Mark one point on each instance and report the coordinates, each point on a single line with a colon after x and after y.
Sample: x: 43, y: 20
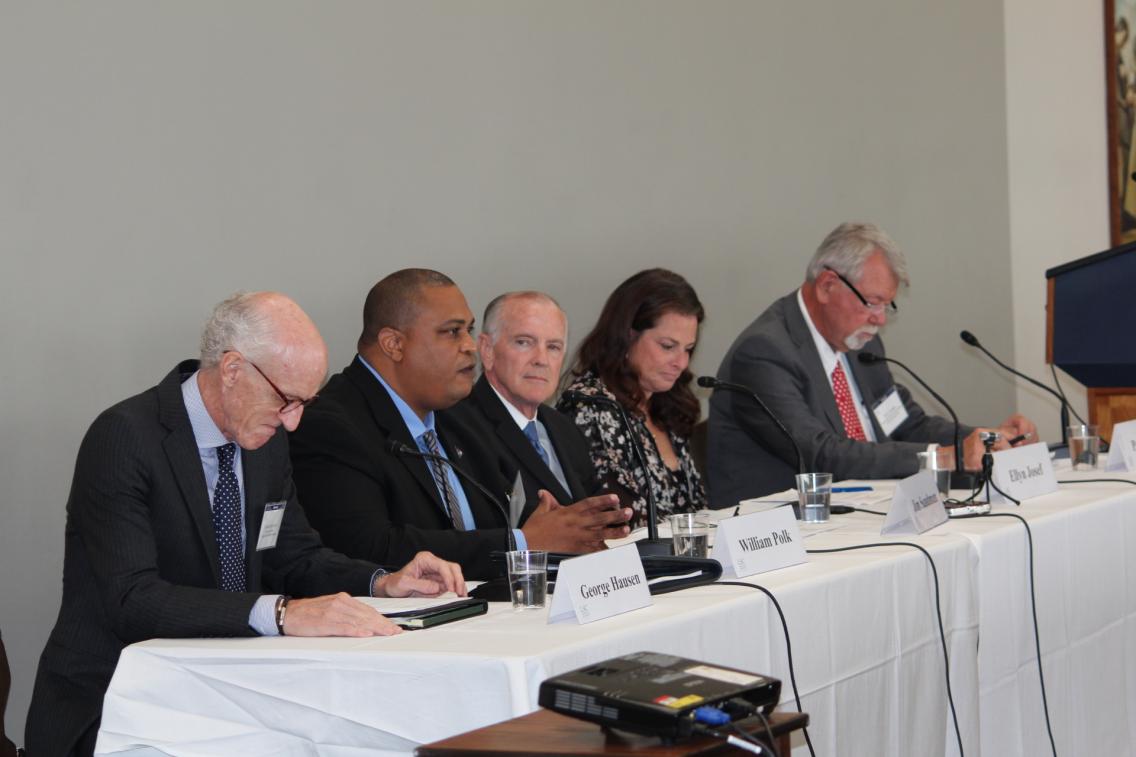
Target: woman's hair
x: 635, y: 306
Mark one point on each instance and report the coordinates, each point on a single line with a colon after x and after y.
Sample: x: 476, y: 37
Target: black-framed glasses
x: 290, y: 403
x: 878, y: 308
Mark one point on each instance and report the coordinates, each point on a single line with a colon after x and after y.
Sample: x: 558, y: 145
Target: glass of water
x: 691, y: 537
x: 814, y: 491
x: 1084, y: 446
x: 937, y: 462
x: 528, y: 578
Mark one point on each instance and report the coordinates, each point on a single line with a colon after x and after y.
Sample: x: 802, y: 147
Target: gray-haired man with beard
x: 800, y: 357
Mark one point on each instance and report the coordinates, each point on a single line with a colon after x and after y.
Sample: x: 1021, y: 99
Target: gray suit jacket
x: 140, y: 557
x: 748, y: 456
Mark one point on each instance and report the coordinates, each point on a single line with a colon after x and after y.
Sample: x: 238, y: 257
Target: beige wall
x: 156, y: 156
x: 1058, y: 173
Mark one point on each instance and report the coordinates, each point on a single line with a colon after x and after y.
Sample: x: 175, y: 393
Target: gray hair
x: 238, y: 324
x: 848, y: 247
x: 491, y: 323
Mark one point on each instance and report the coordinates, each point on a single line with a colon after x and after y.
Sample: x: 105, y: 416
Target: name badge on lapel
x: 889, y: 411
x: 270, y: 525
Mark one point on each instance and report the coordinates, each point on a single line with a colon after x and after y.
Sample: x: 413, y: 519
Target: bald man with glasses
x: 801, y: 357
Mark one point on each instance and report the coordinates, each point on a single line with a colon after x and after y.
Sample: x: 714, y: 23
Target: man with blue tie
x: 522, y: 346
x: 376, y: 460
x: 183, y: 521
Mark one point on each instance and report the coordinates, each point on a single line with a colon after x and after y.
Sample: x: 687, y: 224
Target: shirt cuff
x: 262, y: 617
x: 519, y: 539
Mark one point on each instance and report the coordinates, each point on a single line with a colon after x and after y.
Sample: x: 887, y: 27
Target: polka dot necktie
x: 534, y: 439
x: 227, y: 521
x: 846, y: 405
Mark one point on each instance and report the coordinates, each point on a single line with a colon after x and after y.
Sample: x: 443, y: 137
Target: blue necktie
x: 227, y: 521
x: 534, y: 439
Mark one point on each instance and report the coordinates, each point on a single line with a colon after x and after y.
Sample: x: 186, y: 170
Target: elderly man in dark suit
x: 522, y: 343
x: 800, y: 357
x: 183, y: 521
x: 367, y: 457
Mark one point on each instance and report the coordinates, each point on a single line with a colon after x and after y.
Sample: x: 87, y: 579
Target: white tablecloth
x: 863, y: 628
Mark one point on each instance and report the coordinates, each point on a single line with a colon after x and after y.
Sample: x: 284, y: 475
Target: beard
x: 857, y: 339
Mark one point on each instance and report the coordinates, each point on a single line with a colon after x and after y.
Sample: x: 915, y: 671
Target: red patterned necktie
x: 846, y: 405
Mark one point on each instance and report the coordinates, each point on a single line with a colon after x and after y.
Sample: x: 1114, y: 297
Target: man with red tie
x: 800, y: 357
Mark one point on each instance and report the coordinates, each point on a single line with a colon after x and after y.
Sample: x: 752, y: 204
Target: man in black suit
x: 358, y: 458
x: 183, y: 521
x: 522, y: 343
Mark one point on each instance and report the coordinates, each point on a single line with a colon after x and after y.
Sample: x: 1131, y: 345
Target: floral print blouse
x: 616, y: 463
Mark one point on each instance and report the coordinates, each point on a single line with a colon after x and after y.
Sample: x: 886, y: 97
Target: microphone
x: 709, y: 382
x: 652, y: 545
x: 972, y: 340
x: 869, y: 358
x: 399, y: 449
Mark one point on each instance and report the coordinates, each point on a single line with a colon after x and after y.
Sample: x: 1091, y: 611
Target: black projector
x: 655, y: 694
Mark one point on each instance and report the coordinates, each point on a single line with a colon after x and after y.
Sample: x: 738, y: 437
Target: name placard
x: 916, y: 506
x: 1023, y: 472
x: 1122, y: 448
x: 758, y: 542
x: 599, y: 585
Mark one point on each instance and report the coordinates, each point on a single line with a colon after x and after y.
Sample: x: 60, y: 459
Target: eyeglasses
x: 878, y: 308
x: 290, y: 403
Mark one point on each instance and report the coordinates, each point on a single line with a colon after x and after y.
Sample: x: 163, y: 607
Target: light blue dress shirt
x: 262, y: 617
x: 418, y: 426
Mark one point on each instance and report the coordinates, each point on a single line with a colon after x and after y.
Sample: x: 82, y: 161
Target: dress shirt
x: 262, y: 617
x: 541, y: 432
x: 418, y: 426
x: 829, y: 358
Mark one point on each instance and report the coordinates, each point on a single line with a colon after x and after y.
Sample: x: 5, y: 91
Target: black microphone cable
x: 1100, y: 481
x: 1033, y: 608
x: 938, y: 610
x: 788, y: 647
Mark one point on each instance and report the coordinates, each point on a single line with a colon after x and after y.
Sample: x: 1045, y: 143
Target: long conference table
x: 863, y: 630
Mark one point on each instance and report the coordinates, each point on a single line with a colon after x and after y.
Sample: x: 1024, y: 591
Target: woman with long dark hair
x: 638, y: 354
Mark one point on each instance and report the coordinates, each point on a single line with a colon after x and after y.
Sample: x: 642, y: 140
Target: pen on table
x: 1021, y: 438
x: 848, y: 489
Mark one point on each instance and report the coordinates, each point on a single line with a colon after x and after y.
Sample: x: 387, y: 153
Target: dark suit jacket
x: 140, y: 558
x: 748, y: 456
x: 370, y: 503
x: 484, y: 412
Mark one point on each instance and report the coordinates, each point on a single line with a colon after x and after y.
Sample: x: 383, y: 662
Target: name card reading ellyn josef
x: 599, y: 585
x: 1023, y: 472
x: 759, y: 542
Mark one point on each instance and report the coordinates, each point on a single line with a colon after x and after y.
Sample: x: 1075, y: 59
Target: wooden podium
x: 1090, y: 318
x: 548, y: 732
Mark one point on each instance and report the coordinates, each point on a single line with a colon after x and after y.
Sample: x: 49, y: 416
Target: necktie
x: 443, y: 483
x: 534, y: 439
x: 845, y: 404
x: 227, y: 521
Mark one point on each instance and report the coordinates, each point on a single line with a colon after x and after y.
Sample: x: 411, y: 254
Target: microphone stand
x: 652, y: 545
x: 960, y: 478
x: 395, y: 447
x: 709, y: 382
x: 972, y: 340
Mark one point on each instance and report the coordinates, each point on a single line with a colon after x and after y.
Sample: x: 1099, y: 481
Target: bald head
x: 395, y: 301
x: 259, y: 351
